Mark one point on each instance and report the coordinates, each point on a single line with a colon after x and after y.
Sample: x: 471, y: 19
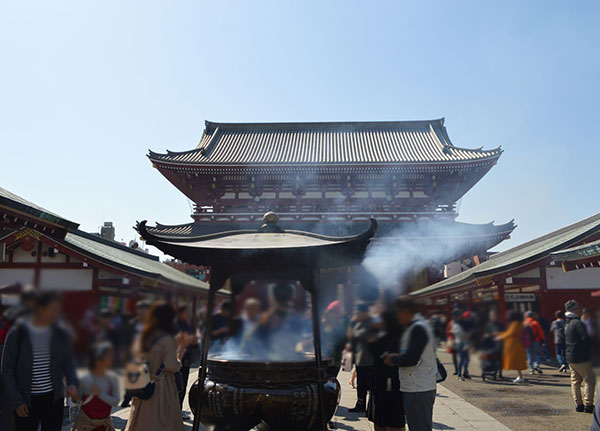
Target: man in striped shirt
x: 37, y: 355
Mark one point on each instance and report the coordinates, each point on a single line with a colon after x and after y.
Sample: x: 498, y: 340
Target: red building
x: 330, y: 178
x: 47, y: 251
x: 581, y: 257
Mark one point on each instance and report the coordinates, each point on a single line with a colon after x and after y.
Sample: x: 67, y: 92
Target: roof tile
x: 325, y: 143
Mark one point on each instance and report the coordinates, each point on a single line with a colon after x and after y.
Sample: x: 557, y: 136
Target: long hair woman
x: 157, y: 345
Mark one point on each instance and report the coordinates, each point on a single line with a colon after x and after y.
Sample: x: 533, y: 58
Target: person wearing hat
x: 360, y: 334
x: 578, y: 356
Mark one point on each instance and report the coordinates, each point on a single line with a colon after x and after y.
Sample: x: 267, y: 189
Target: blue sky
x: 86, y: 88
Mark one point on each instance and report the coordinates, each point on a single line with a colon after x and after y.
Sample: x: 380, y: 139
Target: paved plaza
x: 451, y: 412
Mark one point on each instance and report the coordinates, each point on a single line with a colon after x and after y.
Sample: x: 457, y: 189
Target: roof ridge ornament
x: 270, y: 220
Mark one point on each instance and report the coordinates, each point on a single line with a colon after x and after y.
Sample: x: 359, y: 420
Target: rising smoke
x: 393, y: 259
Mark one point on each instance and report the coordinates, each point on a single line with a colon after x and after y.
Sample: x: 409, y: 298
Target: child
x: 99, y: 391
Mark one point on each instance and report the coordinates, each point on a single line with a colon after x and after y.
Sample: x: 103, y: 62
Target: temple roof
x: 520, y: 255
x: 420, y: 229
x: 270, y: 245
x: 91, y: 246
x: 584, y: 251
x: 31, y: 211
x: 393, y: 142
x: 454, y: 240
x: 583, y: 256
x: 127, y: 259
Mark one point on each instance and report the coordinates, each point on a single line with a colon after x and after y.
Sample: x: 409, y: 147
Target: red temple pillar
x: 470, y: 300
x: 501, y: 303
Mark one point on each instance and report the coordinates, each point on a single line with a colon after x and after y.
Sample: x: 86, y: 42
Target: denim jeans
x: 546, y: 351
x: 534, y: 354
x: 463, y: 359
x: 560, y: 353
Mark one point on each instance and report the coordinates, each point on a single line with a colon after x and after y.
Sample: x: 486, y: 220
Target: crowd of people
x: 40, y: 368
x: 519, y: 345
x: 392, y: 348
x: 395, y: 370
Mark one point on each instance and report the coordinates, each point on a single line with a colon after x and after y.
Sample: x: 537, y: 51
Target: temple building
x: 331, y: 178
x: 41, y: 249
x: 539, y: 275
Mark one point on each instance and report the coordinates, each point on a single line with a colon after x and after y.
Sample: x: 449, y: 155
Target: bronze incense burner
x: 239, y: 394
x: 242, y: 394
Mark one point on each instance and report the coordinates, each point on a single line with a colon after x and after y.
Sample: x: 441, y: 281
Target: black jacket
x: 17, y: 362
x: 578, y: 344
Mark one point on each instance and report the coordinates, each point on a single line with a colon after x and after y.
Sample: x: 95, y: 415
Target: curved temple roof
x: 125, y: 258
x: 269, y: 245
x: 417, y: 231
x: 452, y: 240
x: 584, y: 251
x: 520, y: 255
x: 22, y: 206
x: 393, y: 142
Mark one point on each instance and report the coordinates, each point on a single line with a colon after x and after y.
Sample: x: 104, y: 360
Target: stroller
x: 490, y: 358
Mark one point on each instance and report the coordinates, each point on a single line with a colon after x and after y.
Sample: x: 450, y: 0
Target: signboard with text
x: 519, y: 297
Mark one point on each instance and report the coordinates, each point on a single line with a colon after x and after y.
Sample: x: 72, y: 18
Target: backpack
x: 527, y: 336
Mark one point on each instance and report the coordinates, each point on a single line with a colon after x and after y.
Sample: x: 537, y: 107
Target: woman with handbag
x: 157, y: 346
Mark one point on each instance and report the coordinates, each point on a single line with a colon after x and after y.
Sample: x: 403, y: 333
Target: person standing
x: 334, y: 335
x: 558, y: 328
x: 361, y: 332
x: 545, y: 325
x: 463, y: 331
x: 38, y: 354
x: 99, y: 391
x: 221, y: 325
x: 491, y: 329
x: 534, y: 351
x: 250, y: 317
x: 185, y: 331
x: 385, y: 408
x: 451, y: 340
x: 514, y: 352
x: 137, y: 325
x: 590, y: 323
x: 578, y: 355
x: 417, y: 366
x: 157, y: 346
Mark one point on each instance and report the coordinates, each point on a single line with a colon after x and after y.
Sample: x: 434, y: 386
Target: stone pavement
x: 450, y: 412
